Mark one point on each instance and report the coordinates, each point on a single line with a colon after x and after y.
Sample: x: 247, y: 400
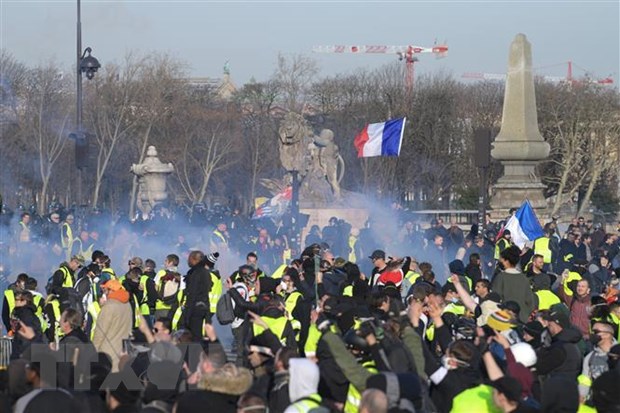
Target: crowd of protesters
x: 416, y: 318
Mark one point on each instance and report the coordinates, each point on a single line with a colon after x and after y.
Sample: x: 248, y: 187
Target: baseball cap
x: 558, y: 314
x: 509, y: 387
x: 377, y: 254
x: 78, y: 258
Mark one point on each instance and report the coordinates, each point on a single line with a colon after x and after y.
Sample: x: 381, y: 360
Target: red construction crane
x: 568, y: 79
x: 406, y: 53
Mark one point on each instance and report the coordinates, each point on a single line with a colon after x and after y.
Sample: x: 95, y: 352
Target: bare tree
x: 43, y: 119
x: 113, y: 106
x: 209, y: 141
x: 294, y: 76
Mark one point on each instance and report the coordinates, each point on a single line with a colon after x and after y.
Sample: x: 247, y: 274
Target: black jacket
x: 198, y: 284
x: 27, y: 316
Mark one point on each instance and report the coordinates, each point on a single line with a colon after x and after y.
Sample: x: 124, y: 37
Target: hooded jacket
x: 304, y: 380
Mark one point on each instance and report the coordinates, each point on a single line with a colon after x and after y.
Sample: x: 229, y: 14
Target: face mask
x: 595, y: 339
x: 454, y: 300
x: 284, y: 286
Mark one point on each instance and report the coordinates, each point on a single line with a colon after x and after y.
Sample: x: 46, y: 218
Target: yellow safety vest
x: 352, y: 242
x: 67, y: 281
x: 306, y: 404
x: 10, y: 299
x: 584, y: 408
x: 571, y: 277
x: 546, y: 299
x: 348, y: 291
x: 136, y: 312
x: 456, y: 309
x: 541, y: 247
x: 287, y: 254
x: 220, y: 236
x: 93, y: 310
x: 276, y: 325
x: 159, y: 304
x: 291, y: 302
x: 36, y: 300
x: 215, y: 293
x: 144, y: 305
x: 312, y: 342
x: 56, y: 310
x: 501, y: 245
x: 478, y: 399
x: 66, y: 242
x: 109, y: 271
x: 354, y: 397
x: 176, y: 317
x: 412, y: 276
x: 279, y: 271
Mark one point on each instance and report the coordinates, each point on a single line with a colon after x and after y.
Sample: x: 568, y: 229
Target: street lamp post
x: 85, y: 64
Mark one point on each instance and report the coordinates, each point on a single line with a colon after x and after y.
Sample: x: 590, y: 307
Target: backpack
x: 70, y: 298
x: 169, y: 288
x: 225, y: 311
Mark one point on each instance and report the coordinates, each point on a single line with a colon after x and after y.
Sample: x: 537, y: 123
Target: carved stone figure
x: 151, y: 180
x: 329, y: 158
x: 316, y: 158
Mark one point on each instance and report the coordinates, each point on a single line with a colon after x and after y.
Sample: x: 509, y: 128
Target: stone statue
x: 151, y: 180
x: 295, y: 136
x: 329, y: 158
x: 316, y: 158
x: 519, y: 145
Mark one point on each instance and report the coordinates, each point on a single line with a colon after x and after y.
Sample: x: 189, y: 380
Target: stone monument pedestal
x: 519, y: 145
x: 351, y: 208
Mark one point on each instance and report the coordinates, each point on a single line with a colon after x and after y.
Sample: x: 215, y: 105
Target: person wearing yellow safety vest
x: 107, y: 273
x: 272, y: 311
x: 354, y: 251
x: 216, y: 281
x: 303, y: 386
x: 9, y: 298
x: 24, y: 315
x: 219, y: 238
x: 67, y: 236
x: 292, y: 298
x: 544, y: 247
x: 143, y: 290
x: 595, y: 362
x: 169, y: 273
x: 504, y: 242
x: 87, y: 289
x: 64, y: 276
x: 23, y: 231
x: 37, y: 300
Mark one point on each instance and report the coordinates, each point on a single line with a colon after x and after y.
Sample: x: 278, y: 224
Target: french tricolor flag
x: 524, y: 225
x: 381, y: 139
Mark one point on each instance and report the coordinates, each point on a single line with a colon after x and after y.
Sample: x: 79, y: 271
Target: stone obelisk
x: 519, y: 146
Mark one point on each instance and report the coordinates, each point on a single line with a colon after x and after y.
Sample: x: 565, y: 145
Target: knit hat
x: 500, y: 321
x: 212, y: 258
x: 457, y: 267
x: 487, y: 308
x: 268, y: 285
x: 112, y: 285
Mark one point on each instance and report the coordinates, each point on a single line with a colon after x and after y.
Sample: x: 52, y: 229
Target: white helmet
x: 524, y: 354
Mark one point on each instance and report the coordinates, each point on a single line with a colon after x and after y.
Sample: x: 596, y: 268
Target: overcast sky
x: 206, y: 34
